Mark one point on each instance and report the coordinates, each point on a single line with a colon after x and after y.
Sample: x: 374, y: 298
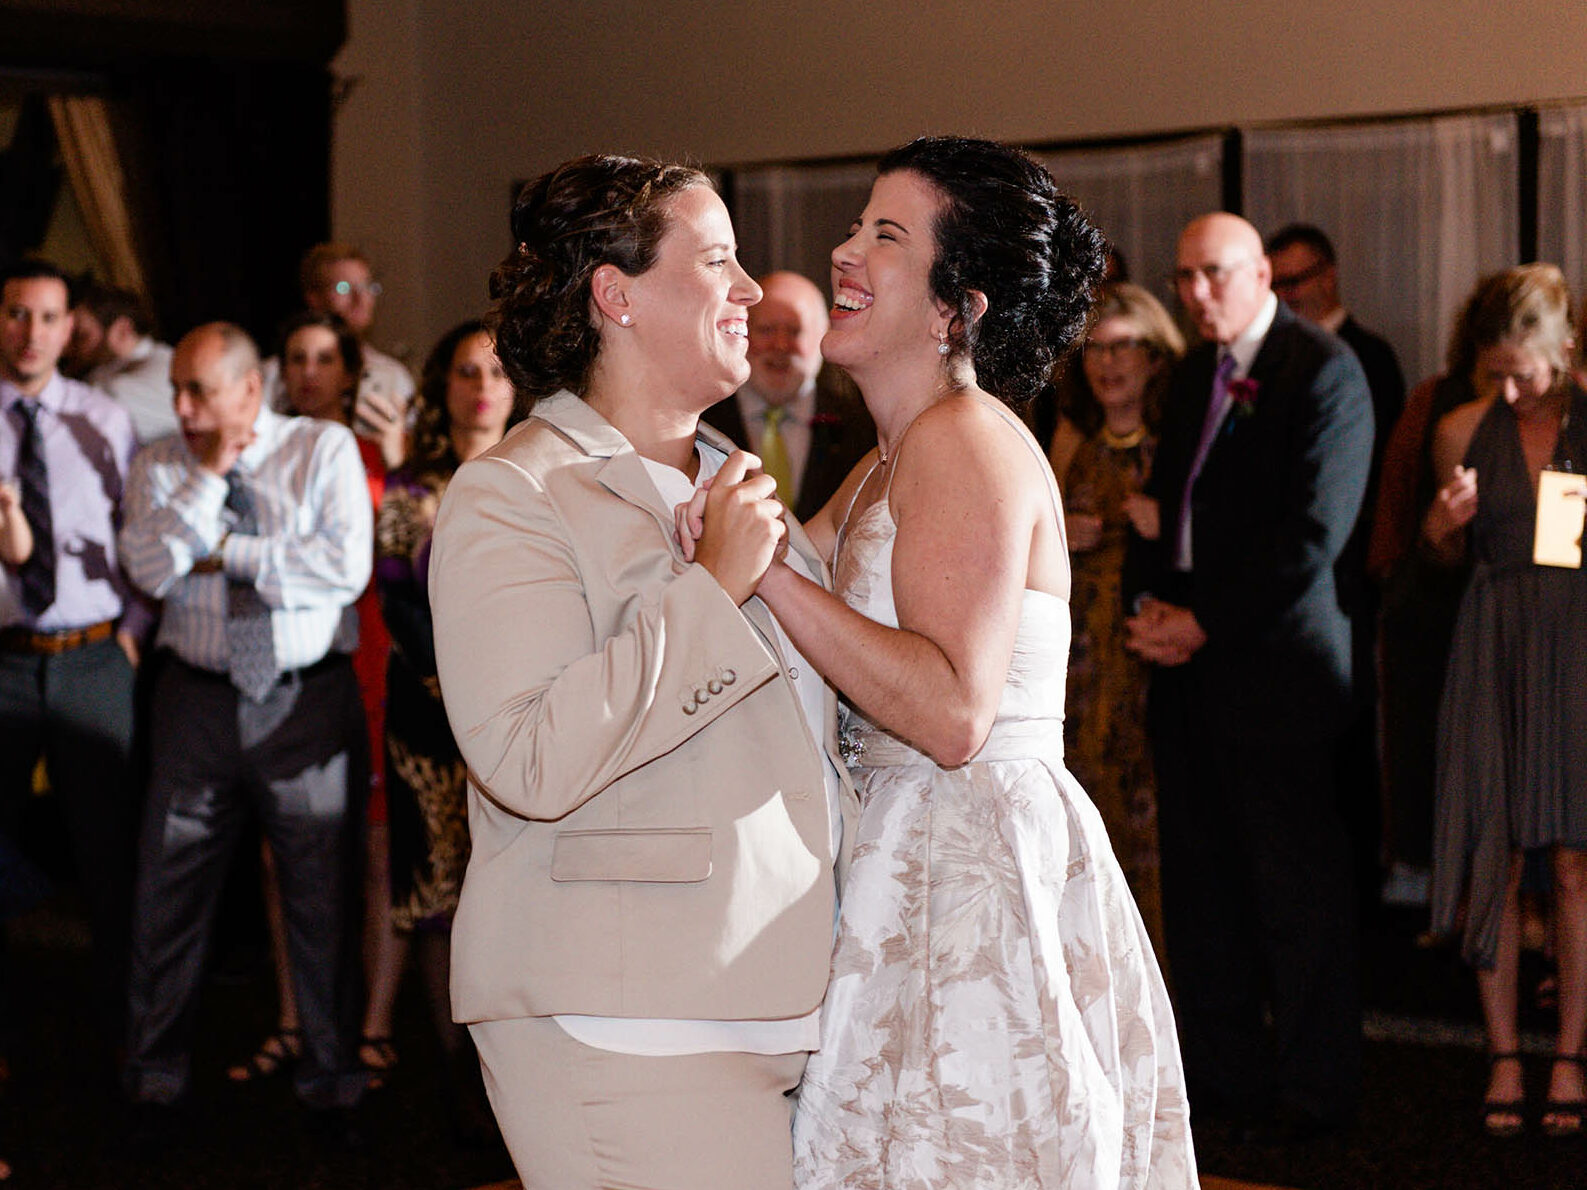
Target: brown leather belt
x: 17, y: 639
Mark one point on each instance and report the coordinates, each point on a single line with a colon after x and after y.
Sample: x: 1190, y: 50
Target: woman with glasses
x: 1101, y: 456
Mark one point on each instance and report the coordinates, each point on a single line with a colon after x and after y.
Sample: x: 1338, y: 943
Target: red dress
x: 369, y: 662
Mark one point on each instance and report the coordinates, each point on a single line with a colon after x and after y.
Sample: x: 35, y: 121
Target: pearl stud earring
x: 626, y: 320
x: 942, y: 342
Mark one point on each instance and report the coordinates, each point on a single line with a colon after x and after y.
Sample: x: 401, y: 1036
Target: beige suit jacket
x: 651, y: 833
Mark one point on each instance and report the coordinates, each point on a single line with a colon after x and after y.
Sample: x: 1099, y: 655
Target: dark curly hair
x: 1005, y: 230
x: 587, y: 212
x: 432, y: 455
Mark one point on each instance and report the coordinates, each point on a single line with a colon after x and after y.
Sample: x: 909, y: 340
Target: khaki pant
x: 578, y: 1118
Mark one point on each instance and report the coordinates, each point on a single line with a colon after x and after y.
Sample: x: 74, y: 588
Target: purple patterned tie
x: 38, y: 572
x: 1217, y: 407
x: 250, y: 634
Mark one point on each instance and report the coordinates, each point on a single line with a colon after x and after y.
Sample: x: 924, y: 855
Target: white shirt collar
x: 1249, y: 341
x: 800, y: 409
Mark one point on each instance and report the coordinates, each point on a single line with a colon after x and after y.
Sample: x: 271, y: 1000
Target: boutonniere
x: 825, y: 421
x: 1242, y: 397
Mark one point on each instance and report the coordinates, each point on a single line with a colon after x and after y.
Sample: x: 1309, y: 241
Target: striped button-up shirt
x: 88, y: 442
x: 309, y: 561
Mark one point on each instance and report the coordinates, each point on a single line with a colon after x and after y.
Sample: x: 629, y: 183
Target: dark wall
x: 223, y: 116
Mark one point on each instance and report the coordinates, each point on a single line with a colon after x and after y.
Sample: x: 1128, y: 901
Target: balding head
x: 215, y: 384
x: 1221, y: 274
x: 785, y: 329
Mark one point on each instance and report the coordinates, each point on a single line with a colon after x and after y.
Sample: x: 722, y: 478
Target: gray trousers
x: 299, y: 759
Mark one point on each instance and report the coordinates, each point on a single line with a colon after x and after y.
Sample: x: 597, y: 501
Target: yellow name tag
x: 1561, y: 501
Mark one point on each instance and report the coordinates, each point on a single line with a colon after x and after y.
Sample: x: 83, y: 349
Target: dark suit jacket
x: 1272, y: 509
x: 841, y: 431
x: 1384, y: 378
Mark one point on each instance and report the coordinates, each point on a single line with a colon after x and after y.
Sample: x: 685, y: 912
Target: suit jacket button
x: 714, y: 686
x: 728, y: 677
x: 689, y: 708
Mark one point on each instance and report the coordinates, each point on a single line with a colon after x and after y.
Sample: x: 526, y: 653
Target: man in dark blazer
x: 820, y: 419
x: 1306, y: 278
x: 1259, y: 476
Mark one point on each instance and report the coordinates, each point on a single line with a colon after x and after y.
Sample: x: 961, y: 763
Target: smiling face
x: 689, y: 308
x: 479, y: 396
x: 1118, y: 362
x: 785, y: 329
x: 882, y: 304
x: 35, y: 326
x: 315, y: 374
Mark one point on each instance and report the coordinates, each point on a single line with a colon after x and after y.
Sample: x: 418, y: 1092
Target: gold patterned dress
x: 426, y: 780
x: 996, y: 1019
x: 1105, y: 743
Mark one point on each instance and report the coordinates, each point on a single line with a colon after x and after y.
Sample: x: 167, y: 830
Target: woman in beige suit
x: 642, y: 939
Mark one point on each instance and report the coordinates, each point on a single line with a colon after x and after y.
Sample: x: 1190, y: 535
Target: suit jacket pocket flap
x: 669, y: 856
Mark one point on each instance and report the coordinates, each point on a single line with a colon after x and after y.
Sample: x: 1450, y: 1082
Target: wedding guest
x: 69, y: 628
x: 465, y: 403
x: 1259, y: 477
x: 1115, y: 403
x: 641, y: 942
x: 255, y: 529
x: 1512, y: 735
x: 809, y: 427
x: 116, y: 353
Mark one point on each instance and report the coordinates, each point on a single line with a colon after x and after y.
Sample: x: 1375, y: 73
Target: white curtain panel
x: 1417, y: 210
x: 1142, y: 196
x: 792, y: 216
x: 1562, y: 192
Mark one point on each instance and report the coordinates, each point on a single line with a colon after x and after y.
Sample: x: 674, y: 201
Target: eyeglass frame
x: 1215, y: 275
x: 343, y: 288
x: 1113, y: 348
x: 1296, y: 280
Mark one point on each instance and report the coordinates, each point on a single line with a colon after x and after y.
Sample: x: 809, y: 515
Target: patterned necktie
x: 1217, y: 407
x: 774, y: 454
x: 38, y: 572
x: 250, y: 636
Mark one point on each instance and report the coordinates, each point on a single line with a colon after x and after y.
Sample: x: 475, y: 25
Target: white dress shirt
x: 309, y: 562
x: 141, y: 384
x: 671, y: 1038
x: 795, y: 426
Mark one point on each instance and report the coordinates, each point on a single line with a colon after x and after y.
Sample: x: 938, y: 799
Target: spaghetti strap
x: 837, y: 542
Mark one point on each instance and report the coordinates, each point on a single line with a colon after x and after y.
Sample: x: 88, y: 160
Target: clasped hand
x: 1164, y: 633
x: 734, y: 525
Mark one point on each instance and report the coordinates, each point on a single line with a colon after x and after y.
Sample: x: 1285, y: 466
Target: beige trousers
x: 579, y: 1118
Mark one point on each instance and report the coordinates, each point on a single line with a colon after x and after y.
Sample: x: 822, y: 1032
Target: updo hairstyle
x: 1004, y: 229
x: 595, y: 210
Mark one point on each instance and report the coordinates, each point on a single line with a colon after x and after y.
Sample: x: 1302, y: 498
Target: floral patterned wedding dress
x: 996, y: 1018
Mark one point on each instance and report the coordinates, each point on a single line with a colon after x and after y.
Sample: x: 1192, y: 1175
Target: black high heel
x: 1563, y: 1117
x: 1503, y: 1117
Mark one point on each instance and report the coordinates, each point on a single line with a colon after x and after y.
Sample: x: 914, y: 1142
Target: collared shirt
x: 309, y: 562
x: 88, y: 445
x: 1333, y: 320
x: 1244, y: 348
x: 670, y: 1038
x: 141, y: 384
x: 794, y: 428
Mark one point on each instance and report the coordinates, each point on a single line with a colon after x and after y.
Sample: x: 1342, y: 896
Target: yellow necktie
x: 774, y: 454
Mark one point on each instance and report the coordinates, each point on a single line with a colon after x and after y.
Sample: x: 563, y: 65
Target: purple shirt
x: 88, y: 445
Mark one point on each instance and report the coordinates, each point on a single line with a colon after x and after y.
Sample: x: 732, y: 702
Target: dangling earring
x: 942, y: 342
x: 625, y: 320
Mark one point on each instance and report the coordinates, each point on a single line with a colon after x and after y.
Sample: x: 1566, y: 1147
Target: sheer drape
x: 88, y: 147
x: 1142, y: 197
x: 791, y: 217
x: 1417, y: 210
x: 1562, y: 192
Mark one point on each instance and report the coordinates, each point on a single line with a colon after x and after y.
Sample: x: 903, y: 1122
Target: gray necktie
x: 250, y: 638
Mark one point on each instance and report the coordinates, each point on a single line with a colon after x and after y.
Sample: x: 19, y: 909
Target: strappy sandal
x: 378, y: 1056
x: 1503, y: 1117
x: 276, y: 1053
x: 1563, y: 1117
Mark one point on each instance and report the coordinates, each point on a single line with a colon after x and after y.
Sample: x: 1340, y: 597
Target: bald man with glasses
x: 1260, y: 471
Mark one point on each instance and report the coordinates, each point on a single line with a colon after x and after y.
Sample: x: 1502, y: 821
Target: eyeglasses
x: 1296, y: 280
x: 343, y: 288
x: 1215, y: 275
x: 1112, y: 348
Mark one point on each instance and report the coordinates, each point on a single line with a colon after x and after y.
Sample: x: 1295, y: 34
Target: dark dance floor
x: 60, y: 1126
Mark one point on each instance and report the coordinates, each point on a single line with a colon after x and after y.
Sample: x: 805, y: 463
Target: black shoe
x: 153, y: 1130
x: 336, y: 1129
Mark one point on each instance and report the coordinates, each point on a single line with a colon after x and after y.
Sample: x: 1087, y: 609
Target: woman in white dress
x: 996, y: 1017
